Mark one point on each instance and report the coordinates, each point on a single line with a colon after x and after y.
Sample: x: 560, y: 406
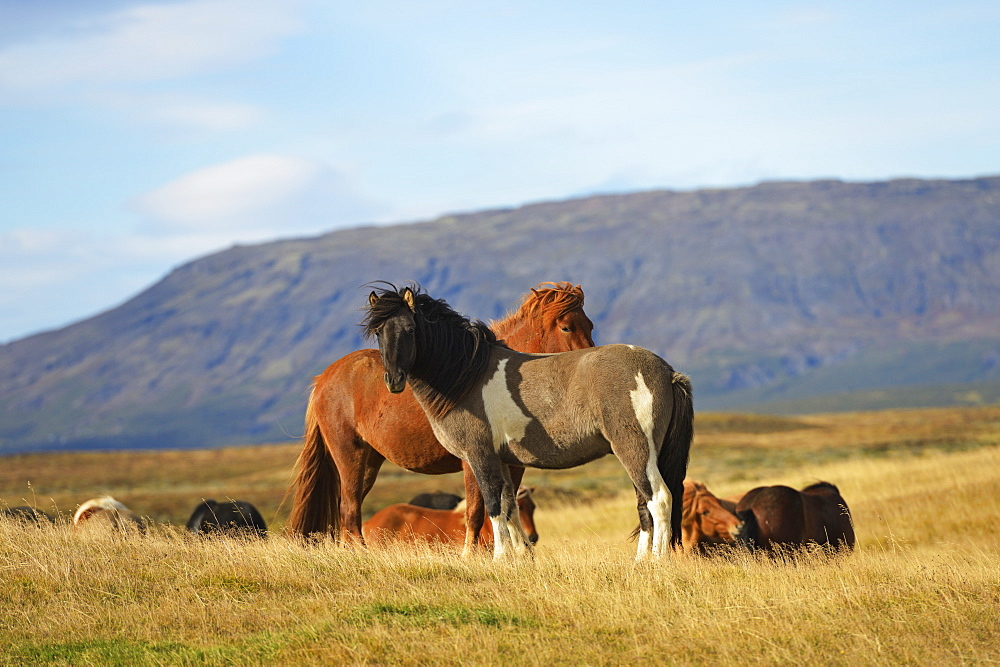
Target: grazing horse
x: 412, y: 523
x: 26, y: 514
x: 439, y: 500
x: 490, y: 405
x: 707, y: 519
x: 109, y: 511
x: 233, y: 517
x: 353, y: 424
x: 779, y: 518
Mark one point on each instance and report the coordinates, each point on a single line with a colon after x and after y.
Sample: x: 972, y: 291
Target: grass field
x: 923, y: 586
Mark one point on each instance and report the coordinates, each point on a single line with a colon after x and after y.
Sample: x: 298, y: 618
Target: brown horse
x: 707, y: 519
x: 353, y: 423
x: 778, y: 518
x: 413, y: 523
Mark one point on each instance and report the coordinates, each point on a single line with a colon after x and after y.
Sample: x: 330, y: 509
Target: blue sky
x: 137, y: 135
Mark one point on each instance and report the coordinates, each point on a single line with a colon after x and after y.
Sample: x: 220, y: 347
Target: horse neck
x: 450, y: 361
x: 521, y: 333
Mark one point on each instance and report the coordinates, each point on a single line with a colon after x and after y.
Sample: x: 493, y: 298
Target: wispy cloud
x: 151, y: 42
x: 258, y: 192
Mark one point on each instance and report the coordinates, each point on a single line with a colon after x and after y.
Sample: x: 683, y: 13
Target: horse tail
x: 749, y: 535
x: 676, y: 450
x: 316, y: 508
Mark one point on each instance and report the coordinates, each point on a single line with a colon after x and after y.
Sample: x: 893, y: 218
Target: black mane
x: 452, y: 351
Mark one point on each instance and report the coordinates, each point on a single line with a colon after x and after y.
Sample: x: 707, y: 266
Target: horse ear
x: 408, y: 298
x: 372, y: 299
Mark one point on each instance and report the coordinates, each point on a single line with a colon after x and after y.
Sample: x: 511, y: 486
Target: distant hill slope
x: 778, y: 292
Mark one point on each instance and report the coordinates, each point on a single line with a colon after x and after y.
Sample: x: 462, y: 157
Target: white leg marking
x: 501, y: 538
x: 645, y: 543
x: 659, y: 505
x: 507, y: 420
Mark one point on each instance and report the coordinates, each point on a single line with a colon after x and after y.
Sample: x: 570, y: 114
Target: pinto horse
x: 353, y: 424
x: 107, y: 511
x: 406, y: 521
x: 494, y: 407
x: 779, y: 518
x: 707, y: 519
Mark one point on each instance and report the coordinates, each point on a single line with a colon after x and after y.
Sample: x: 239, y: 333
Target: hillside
x: 778, y: 292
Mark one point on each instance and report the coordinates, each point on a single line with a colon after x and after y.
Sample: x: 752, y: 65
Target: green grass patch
x: 423, y: 615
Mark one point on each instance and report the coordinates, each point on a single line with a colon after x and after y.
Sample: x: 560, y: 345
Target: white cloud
x: 152, y: 42
x: 274, y: 193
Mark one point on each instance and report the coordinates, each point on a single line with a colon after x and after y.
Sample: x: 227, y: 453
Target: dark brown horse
x: 779, y: 518
x: 412, y: 523
x: 353, y: 423
x: 707, y: 519
x: 494, y: 407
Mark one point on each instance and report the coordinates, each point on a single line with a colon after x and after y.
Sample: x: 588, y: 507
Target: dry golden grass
x: 922, y: 588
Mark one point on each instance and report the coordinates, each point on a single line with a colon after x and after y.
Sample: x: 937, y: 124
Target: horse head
x: 393, y: 322
x: 705, y: 519
x: 526, y: 509
x: 565, y: 325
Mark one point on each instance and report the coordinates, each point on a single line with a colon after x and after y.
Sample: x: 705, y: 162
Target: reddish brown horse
x: 413, y: 523
x: 778, y: 518
x: 707, y: 519
x: 353, y: 423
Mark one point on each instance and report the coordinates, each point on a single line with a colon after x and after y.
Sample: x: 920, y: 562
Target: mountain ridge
x: 751, y: 290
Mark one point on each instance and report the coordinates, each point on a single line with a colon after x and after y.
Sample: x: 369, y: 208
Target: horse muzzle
x: 395, y: 383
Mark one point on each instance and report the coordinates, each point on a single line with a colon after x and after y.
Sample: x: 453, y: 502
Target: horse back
x: 410, y: 522
x: 592, y: 382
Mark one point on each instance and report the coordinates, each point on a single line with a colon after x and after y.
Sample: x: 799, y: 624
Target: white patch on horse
x: 506, y: 418
x: 660, y: 504
x: 645, y: 542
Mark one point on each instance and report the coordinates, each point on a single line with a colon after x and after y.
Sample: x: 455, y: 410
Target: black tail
x: 749, y: 535
x: 676, y: 450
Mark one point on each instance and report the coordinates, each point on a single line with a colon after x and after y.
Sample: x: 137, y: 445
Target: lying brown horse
x: 413, y: 523
x: 353, y: 423
x: 707, y: 519
x: 780, y: 518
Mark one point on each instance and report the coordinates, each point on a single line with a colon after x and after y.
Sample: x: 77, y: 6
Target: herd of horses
x: 444, y: 394
x: 210, y: 517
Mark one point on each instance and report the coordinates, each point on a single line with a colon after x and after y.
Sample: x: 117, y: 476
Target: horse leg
x: 475, y: 514
x: 358, y: 467
x: 500, y: 503
x: 645, y: 525
x: 654, y: 498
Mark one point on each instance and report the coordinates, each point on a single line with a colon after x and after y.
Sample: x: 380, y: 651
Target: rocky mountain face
x: 768, y: 293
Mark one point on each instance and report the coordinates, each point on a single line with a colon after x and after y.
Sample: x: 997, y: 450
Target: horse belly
x: 545, y: 452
